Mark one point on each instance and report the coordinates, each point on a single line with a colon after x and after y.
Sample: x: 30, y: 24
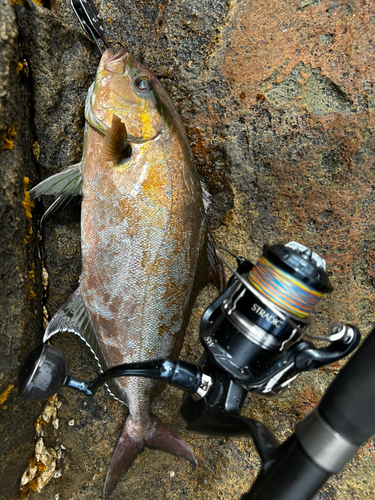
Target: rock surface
x: 278, y: 102
x: 21, y: 290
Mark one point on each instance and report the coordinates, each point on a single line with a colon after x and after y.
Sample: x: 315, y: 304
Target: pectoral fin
x: 116, y: 147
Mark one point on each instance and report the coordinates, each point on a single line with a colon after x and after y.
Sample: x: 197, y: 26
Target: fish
x: 146, y: 250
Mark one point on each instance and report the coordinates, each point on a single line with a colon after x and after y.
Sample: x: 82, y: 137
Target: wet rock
x: 20, y: 300
x: 62, y: 64
x: 278, y: 104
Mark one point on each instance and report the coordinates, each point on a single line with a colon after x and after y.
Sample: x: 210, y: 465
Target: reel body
x: 252, y: 345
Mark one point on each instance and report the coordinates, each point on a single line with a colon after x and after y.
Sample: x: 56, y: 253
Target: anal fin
x: 73, y: 317
x: 216, y: 267
x: 210, y: 268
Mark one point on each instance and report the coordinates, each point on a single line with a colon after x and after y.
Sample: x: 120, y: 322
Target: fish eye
x: 143, y: 83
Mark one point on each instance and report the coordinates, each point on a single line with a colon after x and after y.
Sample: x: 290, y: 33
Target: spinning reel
x: 254, y: 338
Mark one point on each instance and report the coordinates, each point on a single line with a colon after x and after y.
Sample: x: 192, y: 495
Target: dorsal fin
x: 116, y: 147
x: 209, y: 268
x: 59, y: 204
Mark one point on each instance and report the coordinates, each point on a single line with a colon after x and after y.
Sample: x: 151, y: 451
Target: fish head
x: 124, y: 87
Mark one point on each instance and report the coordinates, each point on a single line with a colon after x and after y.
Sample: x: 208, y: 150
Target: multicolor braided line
x: 285, y: 291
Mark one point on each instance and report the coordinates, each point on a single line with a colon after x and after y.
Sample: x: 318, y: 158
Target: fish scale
x: 145, y: 247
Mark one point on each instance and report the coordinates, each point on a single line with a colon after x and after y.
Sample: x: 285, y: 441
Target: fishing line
x: 284, y: 290
x: 283, y: 294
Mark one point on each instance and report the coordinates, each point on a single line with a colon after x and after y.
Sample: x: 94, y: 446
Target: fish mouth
x: 115, y: 61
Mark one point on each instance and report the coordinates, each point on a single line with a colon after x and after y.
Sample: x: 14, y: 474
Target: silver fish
x: 146, y: 250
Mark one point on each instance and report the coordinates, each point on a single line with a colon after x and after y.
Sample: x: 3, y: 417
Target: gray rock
x: 20, y: 270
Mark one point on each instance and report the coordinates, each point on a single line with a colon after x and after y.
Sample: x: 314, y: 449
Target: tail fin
x: 130, y: 444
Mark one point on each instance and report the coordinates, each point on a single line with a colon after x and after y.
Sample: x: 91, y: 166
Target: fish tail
x: 131, y: 443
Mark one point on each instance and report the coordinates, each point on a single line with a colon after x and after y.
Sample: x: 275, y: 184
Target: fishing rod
x: 90, y: 21
x: 255, y: 339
